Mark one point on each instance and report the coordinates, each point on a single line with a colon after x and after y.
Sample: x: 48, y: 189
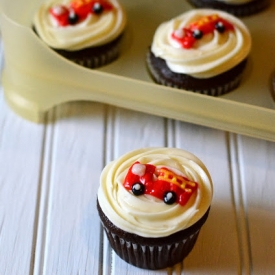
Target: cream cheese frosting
x: 93, y: 31
x: 146, y: 215
x: 211, y: 55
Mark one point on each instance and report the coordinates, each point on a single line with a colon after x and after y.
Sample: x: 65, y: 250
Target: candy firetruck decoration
x: 79, y: 10
x: 159, y: 182
x: 187, y: 36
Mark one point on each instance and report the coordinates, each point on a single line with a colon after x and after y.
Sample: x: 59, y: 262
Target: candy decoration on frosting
x: 170, y: 197
x: 138, y: 189
x: 160, y: 182
x: 186, y: 37
x: 78, y: 10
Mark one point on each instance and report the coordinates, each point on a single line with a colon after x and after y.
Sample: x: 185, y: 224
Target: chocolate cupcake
x: 87, y: 32
x: 237, y: 7
x: 152, y: 203
x: 202, y: 50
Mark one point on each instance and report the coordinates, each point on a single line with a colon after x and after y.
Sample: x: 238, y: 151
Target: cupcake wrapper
x: 151, y: 253
x: 220, y: 90
x: 216, y: 86
x: 151, y: 257
x: 93, y: 57
x: 237, y: 10
x: 93, y: 62
x: 217, y: 91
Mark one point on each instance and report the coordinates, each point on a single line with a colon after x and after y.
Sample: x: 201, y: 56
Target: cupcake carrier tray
x: 35, y: 79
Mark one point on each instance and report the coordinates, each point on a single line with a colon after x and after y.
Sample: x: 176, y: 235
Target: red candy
x: 79, y: 9
x: 158, y: 182
x: 188, y: 36
x: 60, y: 14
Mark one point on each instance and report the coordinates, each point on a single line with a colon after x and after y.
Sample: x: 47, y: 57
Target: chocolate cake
x: 151, y: 253
x: 85, y: 32
x: 201, y: 50
x: 152, y: 203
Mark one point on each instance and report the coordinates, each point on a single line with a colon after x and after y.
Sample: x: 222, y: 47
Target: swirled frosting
x: 146, y: 215
x: 95, y: 30
x: 212, y: 54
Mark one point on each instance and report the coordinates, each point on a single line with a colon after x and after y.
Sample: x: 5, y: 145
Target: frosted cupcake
x: 236, y: 7
x: 152, y: 203
x: 87, y: 32
x: 202, y: 50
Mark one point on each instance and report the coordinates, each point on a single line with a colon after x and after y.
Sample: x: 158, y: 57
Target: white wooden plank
x: 257, y: 163
x: 72, y: 242
x: 130, y: 130
x: 239, y: 205
x: 21, y: 149
x: 42, y: 209
x: 216, y: 251
x: 134, y: 130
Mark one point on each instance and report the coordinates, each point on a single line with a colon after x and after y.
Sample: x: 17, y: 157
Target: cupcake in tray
x: 87, y: 32
x: 202, y: 50
x: 236, y: 7
x: 152, y: 203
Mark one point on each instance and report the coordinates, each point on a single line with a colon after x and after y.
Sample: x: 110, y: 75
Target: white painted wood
x: 257, y: 166
x: 21, y: 153
x: 72, y: 240
x: 216, y: 251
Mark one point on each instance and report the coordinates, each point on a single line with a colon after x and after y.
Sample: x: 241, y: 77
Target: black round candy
x: 138, y: 189
x: 73, y: 18
x: 170, y: 197
x: 197, y: 34
x: 220, y: 27
x: 97, y: 8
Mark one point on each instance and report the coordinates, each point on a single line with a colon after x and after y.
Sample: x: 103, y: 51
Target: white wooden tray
x: 36, y: 79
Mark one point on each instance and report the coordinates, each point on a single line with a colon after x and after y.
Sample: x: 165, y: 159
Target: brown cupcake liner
x: 151, y: 257
x: 94, y: 57
x: 242, y: 10
x: 151, y: 253
x: 93, y: 62
x: 220, y: 90
x: 214, y: 86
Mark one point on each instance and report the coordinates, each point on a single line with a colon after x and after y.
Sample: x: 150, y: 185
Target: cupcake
x: 87, y: 32
x: 237, y: 7
x: 202, y: 50
x: 152, y: 203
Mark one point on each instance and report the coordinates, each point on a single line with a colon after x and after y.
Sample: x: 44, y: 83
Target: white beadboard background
x: 49, y: 176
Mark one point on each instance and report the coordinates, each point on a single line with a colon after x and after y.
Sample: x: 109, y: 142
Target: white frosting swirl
x: 211, y: 55
x: 92, y: 32
x: 146, y: 215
